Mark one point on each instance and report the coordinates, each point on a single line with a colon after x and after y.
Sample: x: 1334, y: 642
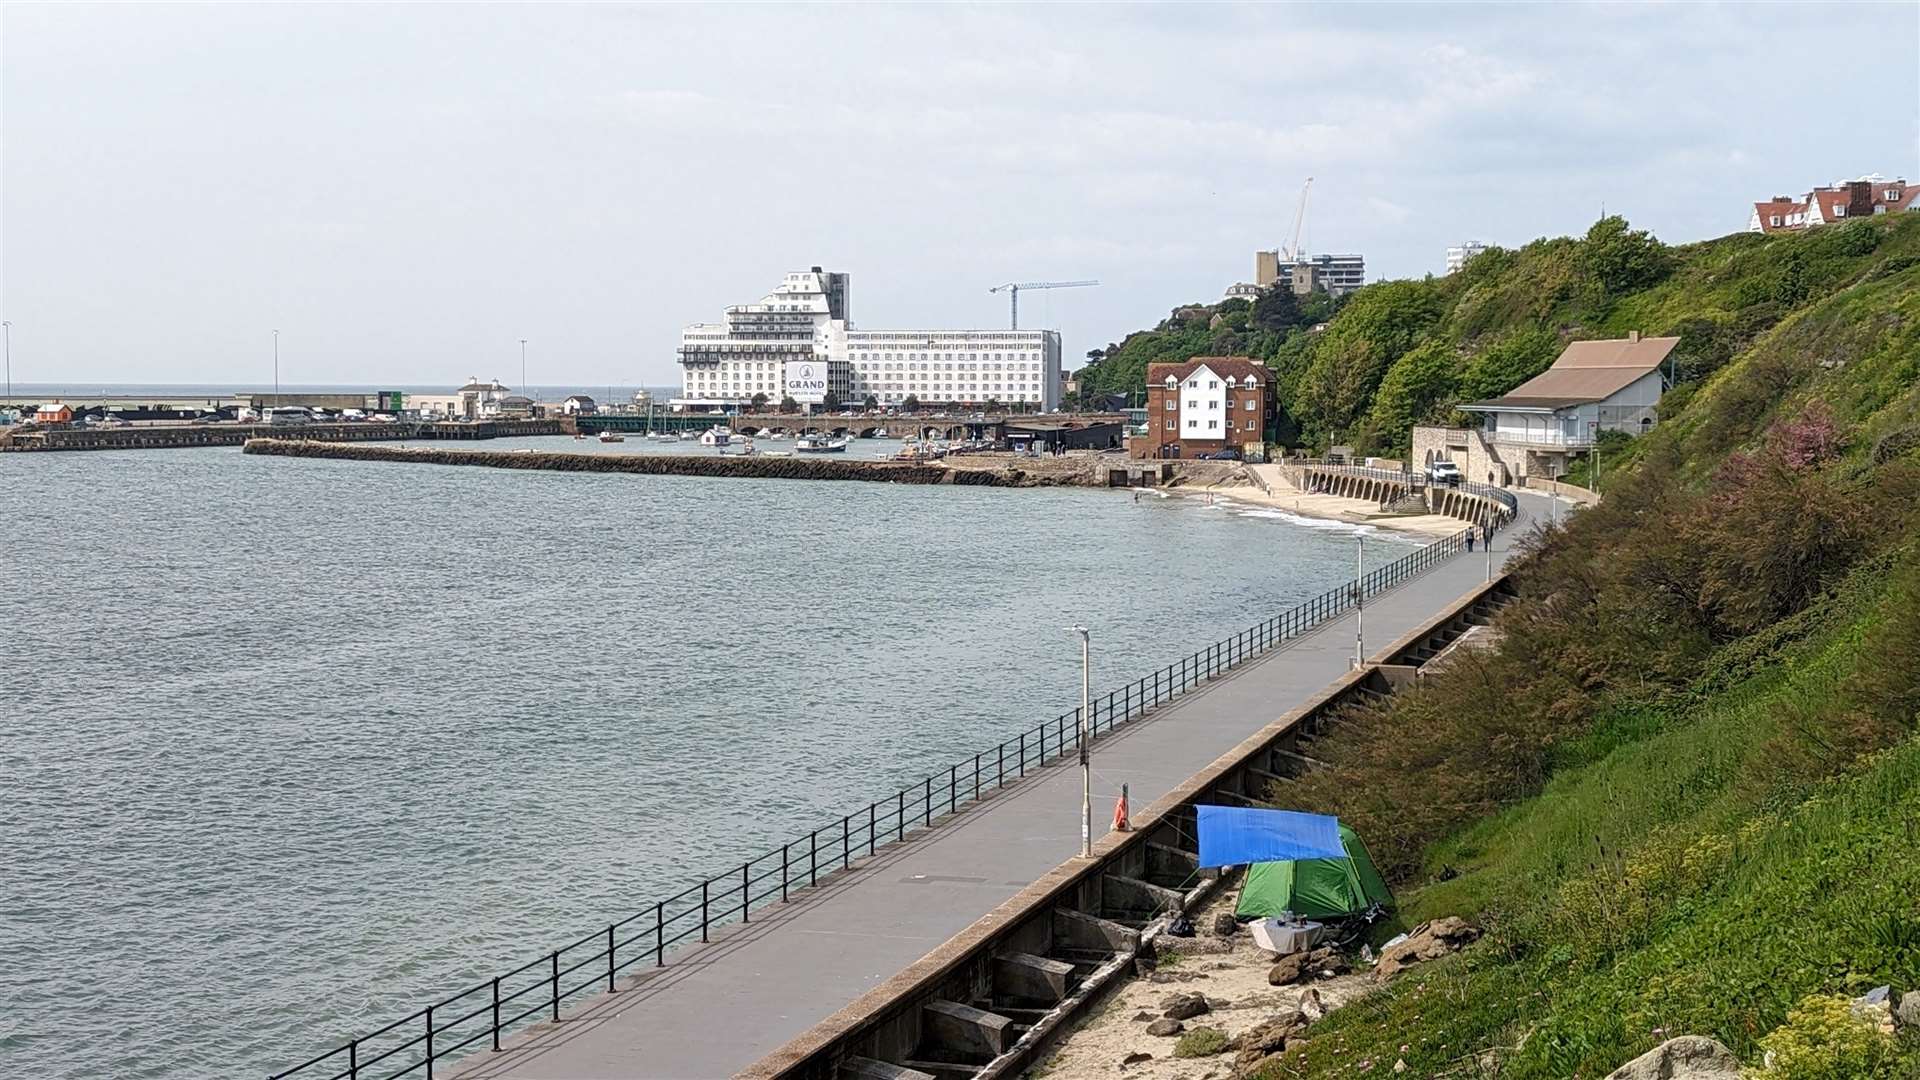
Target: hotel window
x: 1193, y: 384
x: 1213, y: 424
x: 1193, y: 404
x: 1213, y: 384
x: 1213, y: 404
x: 1193, y: 423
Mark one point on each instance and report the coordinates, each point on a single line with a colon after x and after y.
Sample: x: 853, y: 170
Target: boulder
x: 1144, y: 1017
x: 1166, y: 1028
x: 1301, y: 966
x: 1136, y: 1058
x: 1288, y: 970
x: 1265, y: 1039
x: 1689, y: 1057
x: 1907, y: 1015
x: 1429, y: 941
x: 1184, y: 1006
x: 1225, y: 925
x: 1310, y: 1006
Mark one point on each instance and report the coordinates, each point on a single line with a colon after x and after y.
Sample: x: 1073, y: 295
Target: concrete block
x: 860, y: 1068
x: 1075, y: 930
x: 965, y: 1030
x: 1024, y: 977
x: 1131, y: 894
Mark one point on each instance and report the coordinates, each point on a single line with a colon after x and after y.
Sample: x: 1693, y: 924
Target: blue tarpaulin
x: 1232, y: 835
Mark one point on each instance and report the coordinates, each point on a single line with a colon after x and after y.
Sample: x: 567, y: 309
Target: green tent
x: 1316, y: 888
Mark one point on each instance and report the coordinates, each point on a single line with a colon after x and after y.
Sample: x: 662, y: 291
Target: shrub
x: 1621, y: 259
x: 1201, y: 1042
x: 1823, y: 1040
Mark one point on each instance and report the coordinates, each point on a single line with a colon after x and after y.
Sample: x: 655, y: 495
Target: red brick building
x: 1207, y: 405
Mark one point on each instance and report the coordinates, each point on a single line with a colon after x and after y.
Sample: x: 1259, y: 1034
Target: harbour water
x: 293, y: 746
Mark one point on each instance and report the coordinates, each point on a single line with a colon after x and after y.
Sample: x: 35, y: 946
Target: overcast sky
x: 406, y: 191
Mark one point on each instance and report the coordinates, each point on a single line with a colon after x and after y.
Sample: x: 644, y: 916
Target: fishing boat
x: 820, y: 444
x: 612, y: 436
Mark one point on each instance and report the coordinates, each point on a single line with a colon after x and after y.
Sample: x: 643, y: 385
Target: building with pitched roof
x: 1595, y: 386
x: 1207, y: 405
x: 1841, y: 200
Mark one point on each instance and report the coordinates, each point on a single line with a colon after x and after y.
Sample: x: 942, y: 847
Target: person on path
x: 1469, y: 541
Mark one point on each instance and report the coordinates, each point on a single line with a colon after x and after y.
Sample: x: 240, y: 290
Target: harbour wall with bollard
x: 194, y: 435
x: 988, y: 1003
x: 758, y: 466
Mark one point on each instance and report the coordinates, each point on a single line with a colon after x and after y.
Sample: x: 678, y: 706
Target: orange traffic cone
x: 1120, y: 823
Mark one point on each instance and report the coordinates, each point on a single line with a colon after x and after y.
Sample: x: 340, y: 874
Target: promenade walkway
x: 717, y: 1008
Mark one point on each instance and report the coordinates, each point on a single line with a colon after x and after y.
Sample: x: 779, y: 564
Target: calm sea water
x: 293, y: 746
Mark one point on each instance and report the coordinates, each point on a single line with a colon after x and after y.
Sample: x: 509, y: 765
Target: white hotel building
x: 796, y: 342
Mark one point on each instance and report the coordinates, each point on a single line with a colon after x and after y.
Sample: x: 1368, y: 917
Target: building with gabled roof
x: 1841, y: 200
x: 1594, y: 386
x: 1207, y: 405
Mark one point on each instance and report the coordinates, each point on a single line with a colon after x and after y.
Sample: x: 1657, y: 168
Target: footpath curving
x: 886, y: 921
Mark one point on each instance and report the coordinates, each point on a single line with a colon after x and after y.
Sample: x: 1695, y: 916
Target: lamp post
x: 7, y: 327
x: 1359, y: 601
x: 523, y: 368
x: 1086, y: 736
x: 276, y: 369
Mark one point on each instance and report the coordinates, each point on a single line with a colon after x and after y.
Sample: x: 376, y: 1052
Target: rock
x: 1875, y: 1007
x: 1908, y: 1014
x: 1689, y: 1057
x: 1328, y: 961
x: 1165, y: 1028
x: 1429, y: 941
x: 1310, y: 1006
x: 1254, y: 1067
x: 1269, y: 1038
x: 1144, y: 1017
x: 1135, y: 1059
x: 1184, y: 1006
x: 1225, y: 925
x: 1288, y: 970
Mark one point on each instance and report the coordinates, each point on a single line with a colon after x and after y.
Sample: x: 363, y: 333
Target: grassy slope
x: 1407, y: 352
x: 1680, y: 871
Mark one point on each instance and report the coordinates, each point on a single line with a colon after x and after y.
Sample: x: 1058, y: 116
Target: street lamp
x: 276, y: 369
x: 8, y: 328
x: 1359, y: 601
x: 523, y: 368
x: 1086, y: 736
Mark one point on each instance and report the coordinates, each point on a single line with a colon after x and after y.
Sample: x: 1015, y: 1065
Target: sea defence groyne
x: 756, y: 466
x: 181, y: 436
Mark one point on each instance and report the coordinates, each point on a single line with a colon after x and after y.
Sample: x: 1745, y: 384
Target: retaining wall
x: 191, y: 435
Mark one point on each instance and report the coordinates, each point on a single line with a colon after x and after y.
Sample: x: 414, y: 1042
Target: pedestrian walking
x: 1469, y: 541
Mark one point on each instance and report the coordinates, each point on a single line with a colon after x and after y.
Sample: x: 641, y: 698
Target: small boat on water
x: 880, y: 433
x: 820, y: 444
x: 664, y: 436
x: 612, y: 436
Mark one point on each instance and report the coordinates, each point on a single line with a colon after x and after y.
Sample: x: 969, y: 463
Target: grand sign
x: 806, y: 381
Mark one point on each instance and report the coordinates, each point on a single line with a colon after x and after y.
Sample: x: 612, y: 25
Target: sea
x: 294, y: 746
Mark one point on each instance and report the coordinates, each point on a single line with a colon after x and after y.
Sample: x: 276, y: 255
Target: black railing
x: 482, y: 1013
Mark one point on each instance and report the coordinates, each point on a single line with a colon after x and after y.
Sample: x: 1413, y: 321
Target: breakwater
x: 190, y: 435
x: 758, y: 466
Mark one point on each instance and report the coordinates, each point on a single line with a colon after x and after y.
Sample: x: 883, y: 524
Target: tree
x: 787, y: 404
x: 759, y: 402
x: 993, y: 404
x: 1508, y: 362
x: 1375, y: 328
x: 1622, y: 259
x: 830, y: 400
x: 1094, y: 356
x: 870, y: 402
x: 912, y: 402
x: 1415, y: 387
x: 1276, y: 310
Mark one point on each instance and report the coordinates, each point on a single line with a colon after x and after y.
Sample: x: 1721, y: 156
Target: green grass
x: 1670, y: 879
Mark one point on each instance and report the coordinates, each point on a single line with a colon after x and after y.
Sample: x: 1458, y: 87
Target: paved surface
x: 718, y: 1008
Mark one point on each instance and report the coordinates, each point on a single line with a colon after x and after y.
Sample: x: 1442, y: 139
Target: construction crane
x: 1293, y: 251
x: 1015, y: 287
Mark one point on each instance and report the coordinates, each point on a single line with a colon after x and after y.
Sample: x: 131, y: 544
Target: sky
x: 406, y: 191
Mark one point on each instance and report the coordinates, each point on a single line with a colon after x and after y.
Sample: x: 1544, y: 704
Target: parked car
x: 383, y: 418
x: 1444, y: 472
x: 1222, y: 455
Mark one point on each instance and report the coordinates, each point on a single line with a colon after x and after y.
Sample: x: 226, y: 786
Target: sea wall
x: 758, y: 466
x: 188, y: 435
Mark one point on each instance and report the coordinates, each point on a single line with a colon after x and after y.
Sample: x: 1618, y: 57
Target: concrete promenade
x: 717, y: 1008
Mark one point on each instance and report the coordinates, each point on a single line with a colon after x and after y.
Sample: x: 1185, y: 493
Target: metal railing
x: 1394, y: 476
x: 482, y: 1013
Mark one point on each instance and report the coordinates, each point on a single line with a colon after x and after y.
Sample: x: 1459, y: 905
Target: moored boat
x: 820, y: 444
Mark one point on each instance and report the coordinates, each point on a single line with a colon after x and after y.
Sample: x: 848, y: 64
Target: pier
x: 181, y: 436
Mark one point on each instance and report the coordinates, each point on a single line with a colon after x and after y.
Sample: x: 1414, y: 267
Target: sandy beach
x: 1280, y: 494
